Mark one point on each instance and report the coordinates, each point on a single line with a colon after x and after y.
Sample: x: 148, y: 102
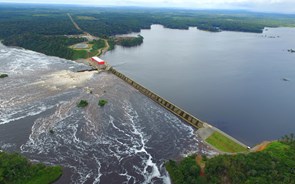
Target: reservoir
x: 242, y: 83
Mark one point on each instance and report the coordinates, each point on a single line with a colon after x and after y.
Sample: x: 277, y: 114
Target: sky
x: 278, y: 6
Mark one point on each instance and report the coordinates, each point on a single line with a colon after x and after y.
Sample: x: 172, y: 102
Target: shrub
x: 82, y: 103
x: 102, y: 102
x: 2, y: 75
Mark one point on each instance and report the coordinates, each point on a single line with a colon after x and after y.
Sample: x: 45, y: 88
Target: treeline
x: 109, y: 22
x: 20, y: 21
x: 46, y: 23
x: 185, y: 172
x: 16, y: 169
x: 275, y: 164
x: 49, y: 45
x: 129, y: 41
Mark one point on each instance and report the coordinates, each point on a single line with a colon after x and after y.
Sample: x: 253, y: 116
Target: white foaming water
x: 64, y: 146
x: 155, y: 173
x: 97, y: 178
x: 22, y: 113
x: 24, y: 61
x: 98, y: 145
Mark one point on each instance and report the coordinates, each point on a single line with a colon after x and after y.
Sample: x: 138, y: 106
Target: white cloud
x: 282, y: 6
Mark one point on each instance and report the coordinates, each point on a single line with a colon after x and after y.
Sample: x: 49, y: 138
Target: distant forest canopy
x: 20, y: 20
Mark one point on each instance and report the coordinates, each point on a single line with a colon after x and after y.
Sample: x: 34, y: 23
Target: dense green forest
x: 49, y: 45
x: 49, y: 22
x: 16, y: 169
x: 275, y: 164
x: 129, y: 41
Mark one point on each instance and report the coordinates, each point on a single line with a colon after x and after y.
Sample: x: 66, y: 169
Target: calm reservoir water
x: 235, y: 81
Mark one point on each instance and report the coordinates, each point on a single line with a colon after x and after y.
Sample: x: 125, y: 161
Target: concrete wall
x: 161, y: 101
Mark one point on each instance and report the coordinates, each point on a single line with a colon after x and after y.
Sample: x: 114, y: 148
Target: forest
x: 32, y: 26
x: 129, y: 41
x: 275, y: 164
x: 49, y: 45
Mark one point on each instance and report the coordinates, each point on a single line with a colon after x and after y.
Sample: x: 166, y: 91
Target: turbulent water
x: 126, y: 141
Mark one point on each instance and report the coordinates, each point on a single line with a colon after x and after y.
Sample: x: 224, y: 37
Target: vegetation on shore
x: 274, y: 164
x: 185, y: 172
x: 3, y: 75
x: 49, y: 45
x: 224, y: 144
x: 16, y: 169
x: 129, y: 41
x: 82, y: 103
x: 112, y: 43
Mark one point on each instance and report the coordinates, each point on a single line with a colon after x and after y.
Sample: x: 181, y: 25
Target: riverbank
x: 19, y: 170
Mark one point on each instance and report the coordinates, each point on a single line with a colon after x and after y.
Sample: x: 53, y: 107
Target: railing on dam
x: 161, y: 101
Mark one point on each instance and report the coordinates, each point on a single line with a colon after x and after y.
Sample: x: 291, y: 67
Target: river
x: 126, y: 141
x: 242, y: 83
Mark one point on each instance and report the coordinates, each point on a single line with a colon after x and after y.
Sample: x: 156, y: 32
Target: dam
x: 193, y: 121
x: 205, y: 130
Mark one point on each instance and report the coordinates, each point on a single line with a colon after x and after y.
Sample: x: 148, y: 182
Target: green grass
x: 82, y: 103
x: 78, y: 54
x: 47, y: 175
x: 86, y: 18
x: 97, y: 44
x: 278, y: 149
x: 83, y: 53
x: 224, y: 144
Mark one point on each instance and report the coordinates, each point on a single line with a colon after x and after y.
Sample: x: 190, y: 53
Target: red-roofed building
x: 98, y: 60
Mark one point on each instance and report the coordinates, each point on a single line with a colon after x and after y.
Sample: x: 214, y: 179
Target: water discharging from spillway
x: 126, y: 141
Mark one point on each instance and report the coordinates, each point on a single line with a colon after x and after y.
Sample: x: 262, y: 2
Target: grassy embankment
x: 96, y: 47
x: 16, y: 169
x: 224, y: 144
x: 274, y: 164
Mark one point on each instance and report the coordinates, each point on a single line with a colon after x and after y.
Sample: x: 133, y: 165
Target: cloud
x: 282, y: 6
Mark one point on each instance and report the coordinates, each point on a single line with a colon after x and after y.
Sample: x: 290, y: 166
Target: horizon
x: 275, y: 6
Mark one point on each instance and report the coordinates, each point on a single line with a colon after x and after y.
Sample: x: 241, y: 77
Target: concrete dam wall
x: 190, y: 119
